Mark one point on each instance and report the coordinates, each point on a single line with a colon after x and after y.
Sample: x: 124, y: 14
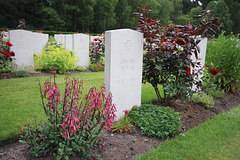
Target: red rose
x: 151, y: 23
x: 12, y: 53
x: 221, y: 72
x: 180, y: 41
x: 2, y: 52
x: 188, y: 71
x: 170, y: 27
x: 214, y: 71
x: 95, y: 39
x: 100, y: 40
x: 134, y: 107
x: 7, y: 54
x: 92, y: 42
x: 126, y: 112
x: 9, y: 44
x: 97, y: 50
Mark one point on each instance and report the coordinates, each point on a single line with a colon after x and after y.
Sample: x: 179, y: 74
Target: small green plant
x: 202, y: 98
x: 215, y: 93
x: 56, y: 55
x: 156, y: 121
x: 18, y: 74
x: 80, y: 68
x: 123, y: 124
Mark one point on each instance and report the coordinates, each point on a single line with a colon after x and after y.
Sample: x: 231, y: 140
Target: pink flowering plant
x: 167, y: 61
x: 73, y: 121
x: 97, y: 50
x: 5, y: 55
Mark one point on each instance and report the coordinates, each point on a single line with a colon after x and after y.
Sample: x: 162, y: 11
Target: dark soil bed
x: 126, y: 146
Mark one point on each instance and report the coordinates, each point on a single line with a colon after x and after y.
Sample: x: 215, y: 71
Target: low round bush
x: 56, y: 55
x: 156, y: 121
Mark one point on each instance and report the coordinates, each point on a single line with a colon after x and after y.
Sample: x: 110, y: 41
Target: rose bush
x: 166, y: 61
x: 6, y: 57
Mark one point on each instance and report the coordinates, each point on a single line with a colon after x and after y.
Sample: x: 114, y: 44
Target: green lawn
x: 215, y: 139
x: 18, y: 97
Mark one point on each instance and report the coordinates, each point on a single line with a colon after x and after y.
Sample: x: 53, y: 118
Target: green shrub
x: 214, y: 93
x: 122, y: 125
x: 55, y: 55
x: 18, y: 74
x: 202, y: 98
x: 223, y: 54
x: 156, y: 121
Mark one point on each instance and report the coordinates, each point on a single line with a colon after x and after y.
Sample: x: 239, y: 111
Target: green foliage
x: 19, y: 74
x: 156, y: 121
x: 80, y: 68
x: 223, y: 54
x: 122, y: 125
x: 202, y: 98
x: 56, y: 55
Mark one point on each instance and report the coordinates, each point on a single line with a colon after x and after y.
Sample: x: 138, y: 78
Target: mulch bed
x: 126, y: 146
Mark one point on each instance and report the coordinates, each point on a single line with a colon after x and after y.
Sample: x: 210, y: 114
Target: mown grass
x: 18, y: 97
x: 215, y: 139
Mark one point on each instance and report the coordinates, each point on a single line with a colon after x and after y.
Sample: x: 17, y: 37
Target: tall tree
x: 221, y: 10
x: 123, y: 14
x: 234, y: 9
x: 104, y: 18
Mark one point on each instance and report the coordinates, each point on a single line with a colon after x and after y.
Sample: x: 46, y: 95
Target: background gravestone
x: 40, y: 41
x: 201, y: 58
x: 81, y: 46
x: 123, y: 68
x: 68, y: 42
x: 23, y: 45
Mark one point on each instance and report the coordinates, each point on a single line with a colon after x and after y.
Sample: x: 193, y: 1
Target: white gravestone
x: 58, y: 38
x: 68, y: 42
x: 201, y: 58
x: 23, y: 44
x: 81, y: 46
x: 40, y: 41
x: 123, y: 68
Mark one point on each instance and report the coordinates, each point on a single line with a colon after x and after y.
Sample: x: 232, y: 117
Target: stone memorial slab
x: 203, y: 48
x: 81, y: 46
x: 123, y: 68
x: 40, y: 41
x: 23, y: 44
x: 68, y: 42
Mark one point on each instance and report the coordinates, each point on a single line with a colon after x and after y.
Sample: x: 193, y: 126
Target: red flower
x: 92, y: 42
x: 12, y: 53
x: 221, y: 72
x: 2, y: 52
x: 188, y: 71
x: 180, y: 41
x: 206, y: 66
x: 9, y: 44
x: 134, y: 107
x: 151, y: 23
x: 7, y: 54
x: 214, y: 71
x: 97, y: 50
x: 170, y: 27
x: 126, y: 112
x: 95, y: 39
